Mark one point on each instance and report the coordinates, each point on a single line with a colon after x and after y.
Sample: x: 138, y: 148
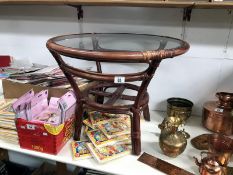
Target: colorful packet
x: 108, y: 153
x: 99, y: 139
x: 87, y: 122
x: 96, y: 117
x: 115, y: 127
x: 80, y: 150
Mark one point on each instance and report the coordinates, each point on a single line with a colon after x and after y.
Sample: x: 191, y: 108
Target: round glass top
x: 117, y: 42
x: 115, y: 46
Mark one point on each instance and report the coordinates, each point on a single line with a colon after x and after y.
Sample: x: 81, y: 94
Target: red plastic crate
x: 44, y: 137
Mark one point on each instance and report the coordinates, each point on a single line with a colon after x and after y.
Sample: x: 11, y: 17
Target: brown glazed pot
x: 217, y: 115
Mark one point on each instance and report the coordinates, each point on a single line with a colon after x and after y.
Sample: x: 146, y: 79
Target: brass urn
x: 172, y: 141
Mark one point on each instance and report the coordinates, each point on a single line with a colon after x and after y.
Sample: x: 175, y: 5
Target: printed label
x: 218, y: 110
x: 119, y: 79
x: 30, y: 127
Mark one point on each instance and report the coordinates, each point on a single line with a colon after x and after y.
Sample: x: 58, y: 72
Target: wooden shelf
x: 133, y: 3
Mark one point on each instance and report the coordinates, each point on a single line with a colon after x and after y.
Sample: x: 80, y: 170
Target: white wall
x: 197, y: 75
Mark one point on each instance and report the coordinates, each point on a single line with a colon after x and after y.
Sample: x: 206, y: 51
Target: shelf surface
x: 129, y: 165
x: 135, y: 3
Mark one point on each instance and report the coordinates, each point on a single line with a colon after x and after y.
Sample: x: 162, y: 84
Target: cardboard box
x: 36, y: 136
x: 44, y: 138
x: 13, y: 89
x: 41, y: 136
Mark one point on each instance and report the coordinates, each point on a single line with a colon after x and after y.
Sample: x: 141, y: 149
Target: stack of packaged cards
x: 108, y: 135
x: 7, y: 121
x: 109, y: 152
x: 35, y: 107
x: 80, y: 150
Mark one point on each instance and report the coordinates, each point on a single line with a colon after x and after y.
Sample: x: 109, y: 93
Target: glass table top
x: 117, y: 47
x: 117, y: 42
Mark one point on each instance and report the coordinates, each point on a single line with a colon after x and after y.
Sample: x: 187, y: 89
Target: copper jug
x: 217, y: 115
x: 209, y: 165
x: 172, y: 141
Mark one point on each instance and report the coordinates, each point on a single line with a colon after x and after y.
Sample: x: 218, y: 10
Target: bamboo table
x: 114, y: 48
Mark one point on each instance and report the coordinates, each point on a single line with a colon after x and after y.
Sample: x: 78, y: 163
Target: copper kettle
x: 209, y: 164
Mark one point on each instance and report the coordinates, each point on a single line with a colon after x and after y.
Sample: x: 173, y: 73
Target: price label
x: 218, y: 110
x: 30, y: 127
x: 119, y: 79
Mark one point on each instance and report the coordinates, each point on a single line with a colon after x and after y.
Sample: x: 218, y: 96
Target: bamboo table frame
x: 104, y: 81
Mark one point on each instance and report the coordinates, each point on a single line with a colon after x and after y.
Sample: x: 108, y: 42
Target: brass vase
x: 172, y: 141
x: 179, y: 109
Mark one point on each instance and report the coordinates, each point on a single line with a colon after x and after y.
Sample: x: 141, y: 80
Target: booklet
x: 80, y: 150
x: 108, y: 153
x: 99, y: 139
x: 115, y: 127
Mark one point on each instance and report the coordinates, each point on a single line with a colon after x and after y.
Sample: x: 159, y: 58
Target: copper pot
x: 222, y: 146
x: 217, y: 115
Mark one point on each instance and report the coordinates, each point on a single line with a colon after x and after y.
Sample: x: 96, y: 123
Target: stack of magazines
x: 51, y: 76
x: 7, y: 121
x: 108, y: 137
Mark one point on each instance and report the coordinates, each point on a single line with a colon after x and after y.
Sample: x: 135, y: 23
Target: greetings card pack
x: 115, y: 127
x: 100, y: 140
x: 108, y: 153
x: 37, y: 104
x: 19, y: 106
x: 67, y: 104
x: 51, y: 114
x: 79, y: 150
